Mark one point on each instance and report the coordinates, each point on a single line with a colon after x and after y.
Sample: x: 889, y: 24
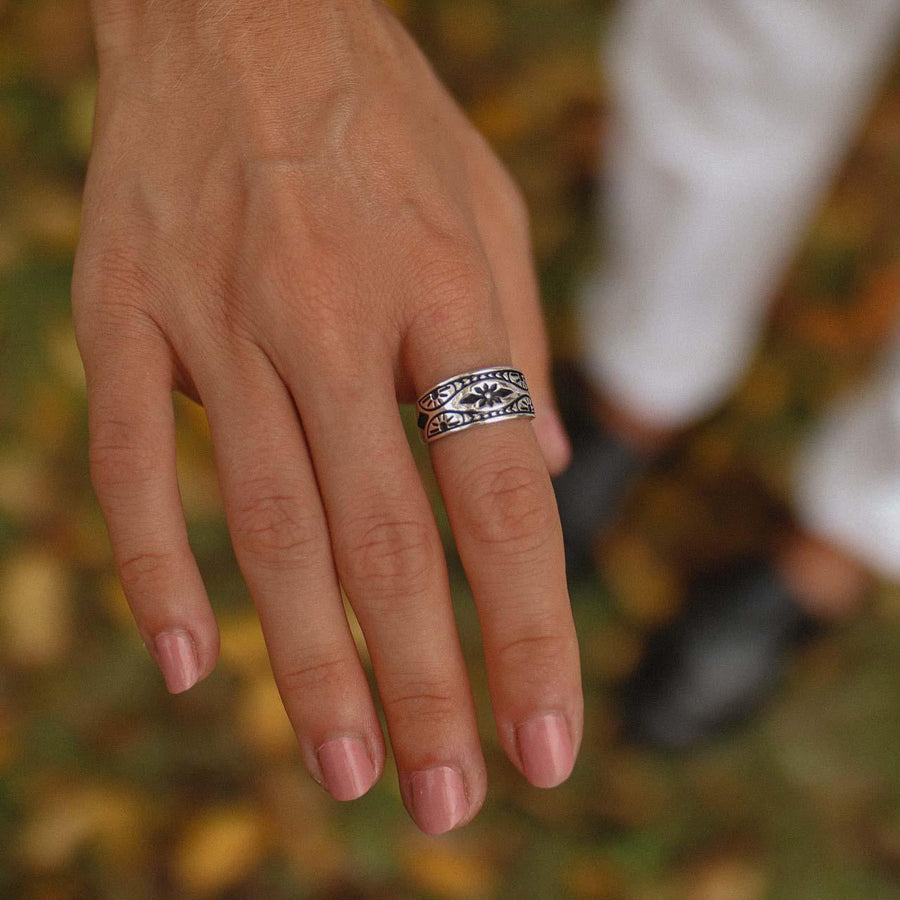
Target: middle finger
x: 391, y: 563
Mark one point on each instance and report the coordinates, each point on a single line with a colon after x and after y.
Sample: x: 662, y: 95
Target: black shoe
x: 592, y: 491
x: 719, y: 662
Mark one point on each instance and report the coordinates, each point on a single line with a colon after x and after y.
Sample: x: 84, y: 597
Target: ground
x: 111, y: 788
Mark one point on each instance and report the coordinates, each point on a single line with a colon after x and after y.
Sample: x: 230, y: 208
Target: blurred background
x: 111, y: 788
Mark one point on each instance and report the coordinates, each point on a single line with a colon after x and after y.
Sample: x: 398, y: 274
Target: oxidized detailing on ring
x: 474, y: 398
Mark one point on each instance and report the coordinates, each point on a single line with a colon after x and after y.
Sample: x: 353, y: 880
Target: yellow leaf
x: 449, y: 870
x: 262, y: 720
x: 726, y: 878
x: 193, y: 416
x: 86, y: 542
x: 199, y: 484
x: 647, y: 589
x: 241, y: 644
x: 318, y: 854
x: 62, y: 352
x: 316, y: 851
x: 218, y: 849
x: 113, y: 597
x: 78, y: 117
x: 35, y: 609
x: 50, y: 418
x: 51, y: 217
x: 593, y: 879
x: 108, y: 818
x: 356, y: 631
x: 25, y: 490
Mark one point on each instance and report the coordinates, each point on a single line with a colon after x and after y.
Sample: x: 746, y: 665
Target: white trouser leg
x: 848, y: 475
x: 730, y: 118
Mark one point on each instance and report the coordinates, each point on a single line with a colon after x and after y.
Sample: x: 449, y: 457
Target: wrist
x: 116, y: 23
x: 123, y: 26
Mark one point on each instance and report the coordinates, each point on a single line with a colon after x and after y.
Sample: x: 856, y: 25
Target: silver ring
x: 473, y: 398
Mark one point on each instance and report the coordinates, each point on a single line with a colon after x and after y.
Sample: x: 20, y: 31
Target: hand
x: 287, y: 218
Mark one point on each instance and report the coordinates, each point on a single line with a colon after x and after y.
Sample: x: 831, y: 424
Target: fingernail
x: 175, y: 653
x: 347, y: 768
x: 438, y: 799
x: 545, y: 749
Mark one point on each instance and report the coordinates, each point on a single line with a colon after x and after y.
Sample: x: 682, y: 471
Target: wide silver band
x: 473, y: 398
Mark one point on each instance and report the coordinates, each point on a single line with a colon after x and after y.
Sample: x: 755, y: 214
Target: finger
x: 503, y: 225
x: 391, y: 564
x: 282, y: 544
x: 503, y: 514
x: 132, y: 453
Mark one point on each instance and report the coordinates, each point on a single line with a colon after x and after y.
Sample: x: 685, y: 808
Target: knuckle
x: 118, y: 270
x: 454, y: 289
x: 444, y: 254
x: 379, y: 549
x: 279, y: 268
x: 145, y: 572
x: 306, y: 281
x: 117, y: 303
x: 114, y: 283
x: 117, y: 458
x: 538, y: 653
x: 431, y: 701
x: 299, y: 269
x: 270, y: 526
x: 453, y: 270
x: 509, y: 506
x: 326, y: 670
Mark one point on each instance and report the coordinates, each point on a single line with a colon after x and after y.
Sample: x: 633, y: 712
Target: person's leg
x: 729, y: 117
x: 726, y: 653
x: 847, y: 498
x: 848, y: 475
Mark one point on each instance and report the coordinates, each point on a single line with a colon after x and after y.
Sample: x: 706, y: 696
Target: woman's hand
x: 287, y: 218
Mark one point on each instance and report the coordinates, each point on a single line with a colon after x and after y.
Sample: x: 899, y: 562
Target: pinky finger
x: 132, y: 451
x: 503, y: 225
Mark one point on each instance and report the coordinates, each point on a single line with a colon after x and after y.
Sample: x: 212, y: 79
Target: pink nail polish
x: 438, y: 799
x: 347, y: 768
x: 175, y: 653
x: 545, y: 749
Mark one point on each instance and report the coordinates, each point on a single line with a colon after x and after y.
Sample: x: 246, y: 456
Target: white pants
x: 731, y: 116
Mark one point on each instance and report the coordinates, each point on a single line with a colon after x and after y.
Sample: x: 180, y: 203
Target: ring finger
x: 503, y: 514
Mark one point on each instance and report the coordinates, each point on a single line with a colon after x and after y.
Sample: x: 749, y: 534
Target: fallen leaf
x: 218, y: 848
x: 35, y: 609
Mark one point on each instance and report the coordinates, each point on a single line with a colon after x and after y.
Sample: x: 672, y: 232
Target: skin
x: 287, y: 218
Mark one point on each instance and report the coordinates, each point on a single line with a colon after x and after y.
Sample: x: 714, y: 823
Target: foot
x: 604, y: 467
x: 720, y: 661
